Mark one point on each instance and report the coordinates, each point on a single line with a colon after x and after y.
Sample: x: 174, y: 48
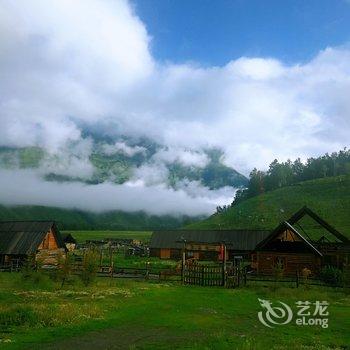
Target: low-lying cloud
x: 26, y: 187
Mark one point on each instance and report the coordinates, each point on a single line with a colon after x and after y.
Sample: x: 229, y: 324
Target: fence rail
x: 199, y: 274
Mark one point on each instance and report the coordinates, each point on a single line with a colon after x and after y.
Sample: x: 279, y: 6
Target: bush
x: 89, y: 267
x: 332, y: 276
x: 17, y: 316
x: 65, y: 268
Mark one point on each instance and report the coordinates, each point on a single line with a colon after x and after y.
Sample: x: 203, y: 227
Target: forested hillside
x: 126, y: 160
x: 82, y: 220
x: 329, y: 197
x: 281, y: 174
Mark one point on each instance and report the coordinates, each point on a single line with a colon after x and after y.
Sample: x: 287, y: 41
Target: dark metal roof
x: 24, y: 237
x: 68, y: 238
x: 244, y: 240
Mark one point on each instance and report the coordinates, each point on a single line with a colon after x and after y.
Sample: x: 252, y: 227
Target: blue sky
x: 215, y: 32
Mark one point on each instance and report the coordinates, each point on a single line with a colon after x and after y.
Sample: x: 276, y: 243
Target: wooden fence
x: 292, y: 280
x: 204, y: 275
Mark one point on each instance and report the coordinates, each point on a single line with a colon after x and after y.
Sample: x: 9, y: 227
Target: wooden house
x: 205, y: 244
x: 22, y: 239
x: 290, y: 248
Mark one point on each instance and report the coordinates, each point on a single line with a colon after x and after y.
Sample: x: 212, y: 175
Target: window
x: 280, y: 262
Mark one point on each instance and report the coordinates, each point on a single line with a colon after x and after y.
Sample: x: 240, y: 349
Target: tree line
x: 281, y: 174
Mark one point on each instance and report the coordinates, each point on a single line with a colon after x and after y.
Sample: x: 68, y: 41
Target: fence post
x: 297, y: 278
x: 223, y: 282
x: 101, y: 257
x: 202, y: 277
x: 183, y: 262
x: 112, y: 270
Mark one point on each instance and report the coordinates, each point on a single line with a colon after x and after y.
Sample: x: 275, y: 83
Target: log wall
x: 292, y: 262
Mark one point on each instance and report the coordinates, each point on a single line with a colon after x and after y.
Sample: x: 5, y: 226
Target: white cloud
x: 184, y: 156
x: 150, y: 174
x: 123, y: 148
x: 157, y: 199
x: 72, y: 161
x: 65, y: 64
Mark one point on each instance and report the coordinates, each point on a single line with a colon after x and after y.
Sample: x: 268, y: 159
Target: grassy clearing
x: 137, y: 262
x: 121, y: 314
x: 328, y: 197
x: 82, y: 236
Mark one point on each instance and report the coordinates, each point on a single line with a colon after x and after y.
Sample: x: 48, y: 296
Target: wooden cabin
x: 290, y: 248
x: 22, y: 239
x: 205, y: 244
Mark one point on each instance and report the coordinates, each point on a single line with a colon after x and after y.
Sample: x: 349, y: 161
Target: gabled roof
x: 241, y: 240
x: 281, y: 228
x: 307, y: 211
x: 24, y: 237
x: 68, y: 238
x: 290, y: 225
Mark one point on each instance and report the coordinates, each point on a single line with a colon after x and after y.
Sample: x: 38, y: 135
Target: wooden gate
x: 204, y: 275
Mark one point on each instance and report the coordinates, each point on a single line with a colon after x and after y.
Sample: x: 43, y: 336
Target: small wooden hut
x: 22, y: 239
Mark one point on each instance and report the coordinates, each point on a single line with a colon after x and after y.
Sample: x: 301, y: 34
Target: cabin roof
x: 290, y: 224
x: 68, y: 238
x: 243, y: 240
x: 282, y: 227
x: 295, y: 218
x: 24, y: 237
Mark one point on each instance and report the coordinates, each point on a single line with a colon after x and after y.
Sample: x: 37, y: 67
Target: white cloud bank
x: 27, y: 188
x: 65, y: 63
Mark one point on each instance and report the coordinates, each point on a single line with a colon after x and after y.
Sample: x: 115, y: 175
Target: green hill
x: 329, y: 197
x: 70, y: 219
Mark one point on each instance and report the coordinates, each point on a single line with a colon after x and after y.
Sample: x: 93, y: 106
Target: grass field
x: 82, y: 236
x: 122, y: 314
x: 328, y: 197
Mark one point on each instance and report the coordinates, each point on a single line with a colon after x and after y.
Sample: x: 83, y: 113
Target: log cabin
x: 205, y: 244
x: 292, y: 249
x: 20, y: 240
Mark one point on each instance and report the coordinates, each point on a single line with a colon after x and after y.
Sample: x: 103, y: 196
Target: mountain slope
x: 82, y: 220
x: 126, y: 161
x: 329, y: 197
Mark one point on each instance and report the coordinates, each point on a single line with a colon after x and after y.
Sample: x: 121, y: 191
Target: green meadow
x: 125, y: 314
x: 328, y: 197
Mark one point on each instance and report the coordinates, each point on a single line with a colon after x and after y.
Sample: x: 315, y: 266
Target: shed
x: 21, y: 239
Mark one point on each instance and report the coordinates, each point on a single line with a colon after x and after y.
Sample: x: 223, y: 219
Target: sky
x: 216, y: 32
x: 258, y: 79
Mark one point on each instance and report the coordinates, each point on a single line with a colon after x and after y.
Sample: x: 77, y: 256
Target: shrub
x: 65, y: 268
x: 331, y: 275
x: 17, y: 316
x: 89, y: 267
